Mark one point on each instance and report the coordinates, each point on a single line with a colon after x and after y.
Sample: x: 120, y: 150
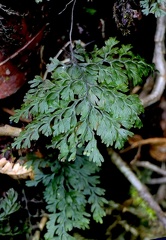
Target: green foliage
x: 142, y: 208
x: 85, y: 99
x: 8, y: 205
x: 69, y: 189
x: 153, y: 6
x: 91, y: 11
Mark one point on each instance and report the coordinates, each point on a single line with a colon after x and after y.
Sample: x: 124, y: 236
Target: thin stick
x: 11, y: 113
x: 140, y: 187
x: 57, y: 55
x: 7, y: 130
x: 150, y: 166
x: 161, y: 180
x: 160, y: 64
x: 21, y: 49
x: 144, y: 142
x: 41, y: 227
x: 9, y: 11
x: 65, y: 7
x: 43, y: 222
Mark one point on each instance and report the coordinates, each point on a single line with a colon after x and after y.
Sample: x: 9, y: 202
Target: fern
x: 154, y: 7
x: 85, y: 99
x: 69, y: 189
x: 9, y: 205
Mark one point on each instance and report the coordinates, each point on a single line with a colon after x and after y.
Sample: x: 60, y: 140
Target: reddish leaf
x: 11, y: 77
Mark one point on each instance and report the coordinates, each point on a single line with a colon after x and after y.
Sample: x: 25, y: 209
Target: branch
x: 57, y: 55
x: 141, y: 142
x: 140, y: 187
x: 12, y: 113
x: 150, y: 166
x: 22, y: 48
x: 65, y: 7
x: 161, y: 180
x: 159, y: 61
x: 7, y: 130
x: 41, y: 227
x: 9, y: 11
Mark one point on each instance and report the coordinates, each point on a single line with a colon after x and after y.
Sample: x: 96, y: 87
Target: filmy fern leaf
x: 69, y: 189
x: 153, y: 7
x: 8, y: 205
x: 85, y: 99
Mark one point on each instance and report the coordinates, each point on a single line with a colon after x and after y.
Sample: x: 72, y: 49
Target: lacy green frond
x: 9, y: 204
x: 85, y: 99
x: 69, y: 189
x: 157, y: 7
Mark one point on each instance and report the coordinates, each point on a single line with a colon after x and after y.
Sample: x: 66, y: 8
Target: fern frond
x: 83, y: 100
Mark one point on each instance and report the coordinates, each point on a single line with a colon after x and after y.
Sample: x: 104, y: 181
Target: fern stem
x: 71, y: 30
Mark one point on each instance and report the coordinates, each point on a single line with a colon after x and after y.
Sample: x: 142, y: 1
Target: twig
x: 11, y: 112
x: 9, y: 11
x: 56, y: 56
x: 21, y: 49
x: 140, y: 187
x: 137, y: 156
x: 36, y: 235
x: 41, y: 227
x: 62, y: 49
x: 157, y: 180
x: 7, y: 130
x: 27, y: 209
x: 102, y: 22
x: 144, y: 142
x: 65, y: 7
x: 160, y: 65
x: 43, y: 222
x: 150, y: 166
